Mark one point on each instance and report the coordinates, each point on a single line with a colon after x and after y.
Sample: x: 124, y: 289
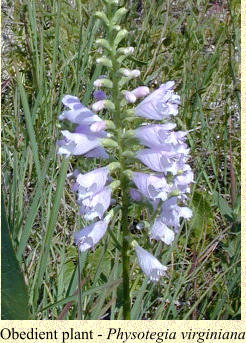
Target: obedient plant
x: 144, y: 159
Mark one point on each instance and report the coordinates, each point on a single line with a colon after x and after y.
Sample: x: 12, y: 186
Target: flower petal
x: 161, y: 232
x: 77, y: 143
x: 88, y: 237
x: 96, y: 205
x: 91, y: 183
x: 78, y: 114
x: 149, y: 264
x: 160, y: 104
x: 151, y: 186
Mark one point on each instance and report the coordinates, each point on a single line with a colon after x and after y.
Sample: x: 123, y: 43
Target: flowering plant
x: 147, y: 163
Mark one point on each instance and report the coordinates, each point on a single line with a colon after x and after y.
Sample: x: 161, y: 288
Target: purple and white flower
x: 77, y: 143
x: 160, y: 104
x: 151, y: 186
x: 171, y: 213
x: 88, y: 237
x: 160, y: 135
x: 160, y: 232
x: 78, y: 113
x: 96, y: 205
x: 132, y: 96
x: 162, y: 161
x: 90, y: 183
x: 149, y: 264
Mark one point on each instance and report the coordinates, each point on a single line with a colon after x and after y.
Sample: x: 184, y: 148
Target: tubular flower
x: 160, y: 104
x: 171, y: 213
x: 167, y: 154
x: 88, y: 237
x: 95, y: 205
x: 162, y: 161
x: 89, y: 130
x: 90, y: 183
x: 161, y: 232
x: 77, y: 143
x: 149, y: 264
x: 78, y: 113
x: 151, y: 186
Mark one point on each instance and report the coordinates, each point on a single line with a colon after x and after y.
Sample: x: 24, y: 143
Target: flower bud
x: 128, y: 154
x: 103, y: 17
x: 109, y: 143
x: 102, y: 104
x: 126, y: 51
x: 103, y: 83
x: 98, y: 126
x: 115, y: 185
x: 130, y: 73
x: 110, y: 124
x: 130, y: 97
x: 99, y: 95
x: 104, y: 43
x: 104, y: 61
x: 119, y: 14
x: 128, y: 134
x: 140, y: 92
x: 120, y: 35
x: 113, y: 166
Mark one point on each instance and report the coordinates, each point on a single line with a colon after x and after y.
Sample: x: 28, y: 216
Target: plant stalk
x: 124, y: 185
x: 79, y: 289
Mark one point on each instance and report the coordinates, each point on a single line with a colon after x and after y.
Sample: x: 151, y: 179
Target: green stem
x: 79, y: 289
x: 124, y: 184
x: 125, y: 250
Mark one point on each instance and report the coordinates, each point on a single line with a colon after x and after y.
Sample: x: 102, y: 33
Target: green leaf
x: 14, y: 292
x: 223, y: 206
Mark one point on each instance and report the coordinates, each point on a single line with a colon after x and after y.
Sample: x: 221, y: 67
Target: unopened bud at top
x: 103, y: 17
x: 119, y: 14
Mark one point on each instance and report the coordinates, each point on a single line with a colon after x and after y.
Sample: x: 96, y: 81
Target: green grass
x: 52, y: 53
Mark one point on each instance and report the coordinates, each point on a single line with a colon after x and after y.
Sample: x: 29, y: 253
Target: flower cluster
x: 165, y: 151
x: 166, y: 154
x: 93, y: 188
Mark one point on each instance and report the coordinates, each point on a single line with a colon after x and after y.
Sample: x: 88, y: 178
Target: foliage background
x: 49, y: 51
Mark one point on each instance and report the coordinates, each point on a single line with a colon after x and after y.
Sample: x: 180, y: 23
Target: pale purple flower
x: 182, y: 181
x: 77, y: 143
x: 160, y: 135
x: 88, y: 237
x: 99, y: 105
x: 100, y: 95
x: 135, y: 195
x: 90, y: 183
x: 160, y: 232
x: 162, y: 161
x: 130, y: 73
x: 151, y: 186
x: 86, y: 129
x: 96, y: 205
x: 141, y: 92
x: 98, y: 152
x: 160, y: 104
x: 171, y: 213
x: 98, y: 126
x: 78, y: 113
x: 149, y: 264
x: 130, y: 97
